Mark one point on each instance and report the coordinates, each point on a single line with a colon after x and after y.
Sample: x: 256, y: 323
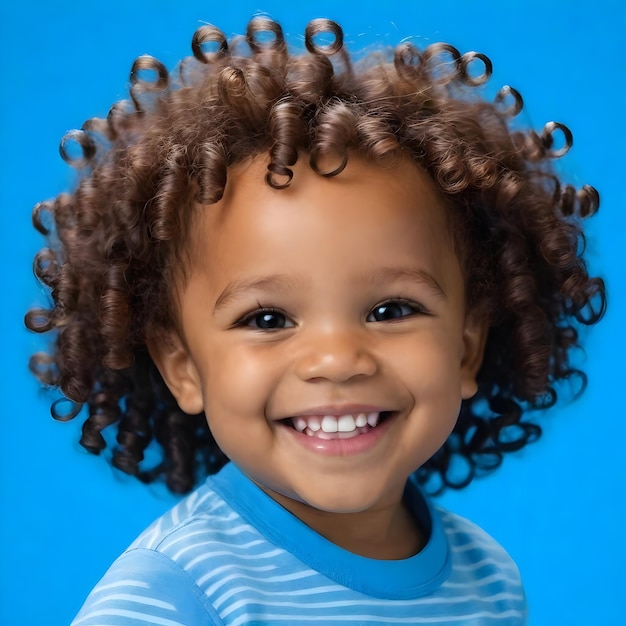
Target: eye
x: 266, y: 319
x: 393, y: 310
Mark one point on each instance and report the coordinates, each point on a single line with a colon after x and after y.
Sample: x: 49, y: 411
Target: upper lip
x: 338, y: 409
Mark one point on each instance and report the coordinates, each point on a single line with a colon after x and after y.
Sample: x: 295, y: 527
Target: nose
x: 336, y: 356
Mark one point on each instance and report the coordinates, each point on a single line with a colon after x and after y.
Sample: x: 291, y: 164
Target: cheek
x: 237, y: 383
x: 432, y: 362
x: 431, y: 375
x: 235, y: 392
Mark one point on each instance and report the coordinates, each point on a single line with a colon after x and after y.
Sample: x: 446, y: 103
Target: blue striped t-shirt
x: 228, y: 554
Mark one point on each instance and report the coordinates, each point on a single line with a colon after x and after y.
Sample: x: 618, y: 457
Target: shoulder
x: 148, y: 583
x: 203, y: 508
x: 469, y: 539
x: 144, y: 586
x: 482, y: 571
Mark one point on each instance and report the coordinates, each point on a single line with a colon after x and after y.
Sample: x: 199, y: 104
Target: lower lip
x: 342, y: 447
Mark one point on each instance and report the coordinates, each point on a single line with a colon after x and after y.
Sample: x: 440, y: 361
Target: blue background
x: 558, y: 506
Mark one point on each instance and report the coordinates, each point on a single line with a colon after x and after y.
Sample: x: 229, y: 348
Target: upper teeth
x: 335, y: 423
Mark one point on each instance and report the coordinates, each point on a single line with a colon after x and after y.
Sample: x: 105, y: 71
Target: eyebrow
x: 283, y: 282
x: 413, y: 274
x: 236, y: 288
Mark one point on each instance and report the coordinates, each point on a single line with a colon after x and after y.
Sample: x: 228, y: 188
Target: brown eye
x: 393, y: 310
x: 267, y: 320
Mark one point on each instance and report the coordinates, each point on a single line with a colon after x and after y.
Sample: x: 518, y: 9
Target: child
x: 360, y: 276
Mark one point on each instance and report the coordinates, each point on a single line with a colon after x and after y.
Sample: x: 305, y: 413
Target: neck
x: 388, y: 532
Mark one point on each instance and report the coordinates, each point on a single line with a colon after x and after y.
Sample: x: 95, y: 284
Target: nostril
x: 337, y: 361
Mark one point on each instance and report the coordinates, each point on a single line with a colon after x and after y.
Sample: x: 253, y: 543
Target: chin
x: 341, y: 502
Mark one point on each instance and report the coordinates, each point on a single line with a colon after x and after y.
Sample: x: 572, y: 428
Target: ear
x: 178, y: 370
x: 474, y: 340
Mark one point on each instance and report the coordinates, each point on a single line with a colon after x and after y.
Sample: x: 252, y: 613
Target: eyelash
x: 245, y: 321
x: 416, y: 309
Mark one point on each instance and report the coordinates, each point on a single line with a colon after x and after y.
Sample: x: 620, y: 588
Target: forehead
x: 369, y: 213
x: 362, y: 182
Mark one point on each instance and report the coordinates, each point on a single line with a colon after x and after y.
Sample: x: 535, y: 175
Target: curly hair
x: 116, y: 245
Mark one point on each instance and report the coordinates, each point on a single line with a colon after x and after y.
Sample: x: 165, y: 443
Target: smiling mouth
x: 337, y: 426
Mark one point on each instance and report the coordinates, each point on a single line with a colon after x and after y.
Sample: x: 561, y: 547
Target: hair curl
x: 116, y: 244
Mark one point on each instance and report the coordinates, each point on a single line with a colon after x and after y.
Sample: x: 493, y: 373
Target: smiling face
x: 324, y: 332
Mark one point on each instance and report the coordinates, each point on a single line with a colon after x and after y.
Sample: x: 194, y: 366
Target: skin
x: 358, y: 278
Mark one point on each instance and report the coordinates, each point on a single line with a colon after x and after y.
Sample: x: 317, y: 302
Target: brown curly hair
x: 116, y: 245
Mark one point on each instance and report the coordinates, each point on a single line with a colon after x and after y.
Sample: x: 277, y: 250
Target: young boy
x: 357, y: 276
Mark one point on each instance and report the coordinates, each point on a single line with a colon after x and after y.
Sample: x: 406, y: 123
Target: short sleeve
x: 145, y: 587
